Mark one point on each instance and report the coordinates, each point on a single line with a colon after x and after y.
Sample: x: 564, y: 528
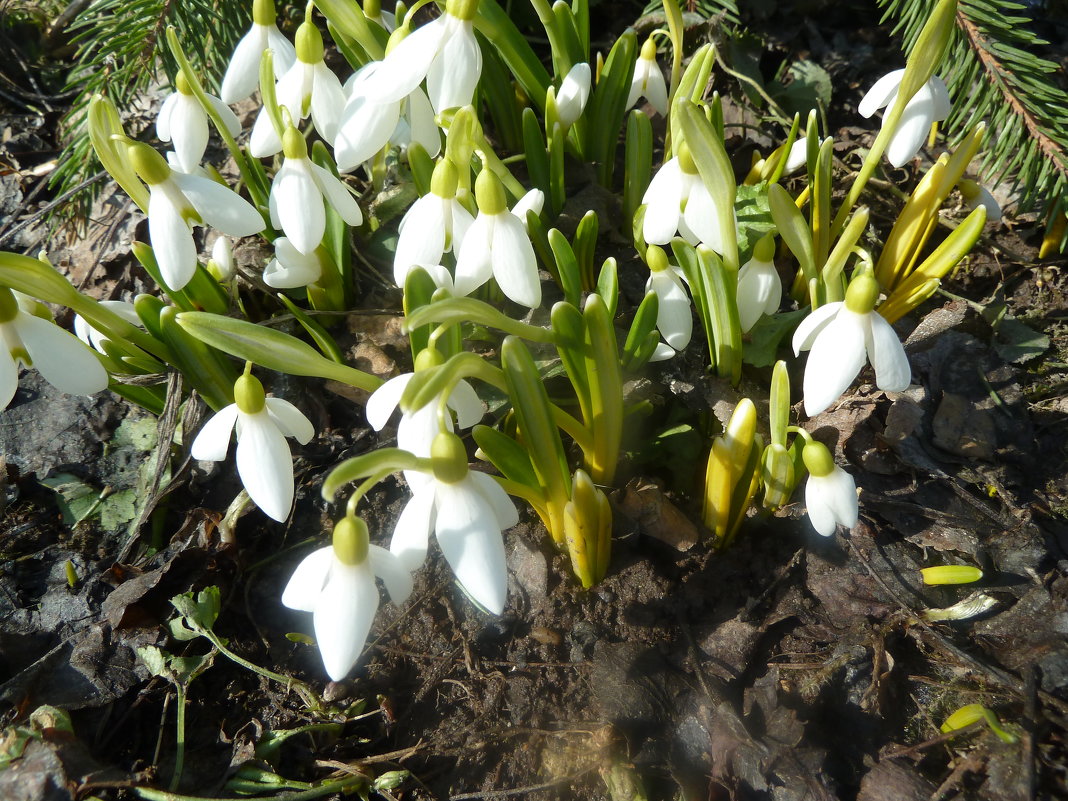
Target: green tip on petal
x: 249, y: 395
x: 9, y: 306
x: 817, y: 458
x: 263, y: 12
x: 351, y: 541
x: 489, y: 193
x: 445, y: 179
x: 656, y: 258
x: 765, y: 248
x: 462, y: 9
x: 449, y: 458
x: 293, y: 144
x: 862, y: 293
x: 149, y: 165
x: 309, y: 43
x: 686, y: 162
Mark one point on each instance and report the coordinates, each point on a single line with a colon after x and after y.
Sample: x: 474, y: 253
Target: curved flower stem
x: 307, y: 695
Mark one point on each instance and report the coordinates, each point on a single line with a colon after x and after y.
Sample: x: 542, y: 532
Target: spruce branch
x: 994, y: 72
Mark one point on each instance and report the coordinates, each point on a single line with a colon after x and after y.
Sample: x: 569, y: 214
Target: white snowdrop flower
x: 444, y: 52
x: 798, y: 156
x: 842, y: 336
x: 308, y: 85
x: 30, y: 341
x: 264, y: 461
x: 417, y: 429
x: 368, y: 123
x: 95, y: 339
x: 573, y: 94
x: 496, y: 245
x: 291, y: 269
x: 673, y: 319
x: 977, y: 195
x: 221, y: 264
x: 337, y: 585
x: 831, y: 493
x: 434, y: 225
x: 759, y: 285
x: 243, y: 73
x: 177, y: 202
x: 929, y: 104
x: 677, y: 201
x: 297, y: 196
x: 467, y: 511
x: 183, y: 120
x: 648, y: 80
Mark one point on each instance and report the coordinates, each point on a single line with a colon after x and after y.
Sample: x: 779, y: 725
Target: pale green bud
x: 182, y: 85
x: 462, y: 9
x: 309, y: 43
x: 489, y: 193
x: 263, y: 12
x: 862, y: 294
x: 293, y: 144
x: 249, y: 395
x: 351, y: 540
x: 149, y: 165
x: 817, y: 459
x: 686, y: 162
x: 656, y: 258
x: 449, y: 458
x: 765, y: 248
x: 445, y: 179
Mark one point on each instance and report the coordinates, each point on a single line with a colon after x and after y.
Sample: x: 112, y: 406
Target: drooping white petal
x: 573, y: 94
x: 230, y: 120
x: 514, y: 264
x: 394, y: 575
x: 213, y: 441
x: 805, y: 334
x: 798, y: 156
x: 9, y: 374
x: 497, y: 498
x: 702, y: 215
x: 343, y: 616
x: 673, y: 319
x: 290, y: 268
x: 421, y: 237
x: 172, y: 239
x: 836, y: 357
x: 300, y: 205
x: 453, y: 75
x: 655, y: 90
x: 913, y: 128
x: 189, y: 130
x: 887, y: 356
x: 411, y: 535
x: 285, y: 54
x: 465, y: 402
x: 337, y: 195
x: 759, y: 292
x: 458, y: 220
x: 421, y: 123
x: 840, y: 495
x: 881, y: 94
x: 219, y: 206
x: 417, y: 429
x: 474, y: 260
x: 163, y: 119
x: 470, y: 539
x: 64, y: 360
x: 290, y: 420
x: 663, y: 199
x: 264, y: 142
x: 407, y: 64
x: 384, y: 400
x: 305, y: 586
x: 533, y: 200
x: 265, y: 465
x: 327, y: 101
x: 364, y: 128
x: 819, y: 513
x: 662, y: 352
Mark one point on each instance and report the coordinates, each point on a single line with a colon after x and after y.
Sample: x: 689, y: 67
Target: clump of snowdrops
x: 448, y: 108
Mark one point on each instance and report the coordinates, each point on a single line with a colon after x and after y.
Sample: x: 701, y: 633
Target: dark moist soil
x: 787, y: 667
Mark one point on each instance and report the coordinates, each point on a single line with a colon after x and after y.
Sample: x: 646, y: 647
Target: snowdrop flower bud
x: 673, y: 319
x: 297, y: 196
x: 677, y: 201
x: 243, y: 74
x: 976, y: 195
x: 28, y: 340
x: 308, y: 85
x: 798, y: 155
x: 183, y: 120
x: 759, y: 285
x: 842, y: 336
x: 444, y: 52
x: 221, y: 263
x: 496, y: 245
x: 90, y: 336
x: 929, y: 104
x: 177, y: 202
x: 573, y: 94
x: 648, y: 80
x: 337, y: 585
x: 467, y: 511
x: 291, y: 269
x: 830, y: 494
x: 435, y: 224
x: 264, y: 461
